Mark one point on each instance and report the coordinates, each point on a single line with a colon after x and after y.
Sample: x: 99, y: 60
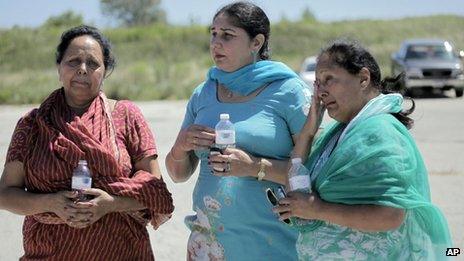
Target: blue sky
x: 32, y: 13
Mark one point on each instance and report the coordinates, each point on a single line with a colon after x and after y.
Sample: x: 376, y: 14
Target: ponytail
x: 396, y: 85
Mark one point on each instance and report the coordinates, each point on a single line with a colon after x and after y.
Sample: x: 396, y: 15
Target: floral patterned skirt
x: 334, y: 242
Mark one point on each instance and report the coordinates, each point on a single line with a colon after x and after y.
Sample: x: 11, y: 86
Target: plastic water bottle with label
x: 81, y: 180
x: 298, y: 177
x: 300, y: 181
x: 225, y: 132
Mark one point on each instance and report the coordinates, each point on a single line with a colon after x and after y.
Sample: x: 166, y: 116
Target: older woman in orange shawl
x: 78, y: 122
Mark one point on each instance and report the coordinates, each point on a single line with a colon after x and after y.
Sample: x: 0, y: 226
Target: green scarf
x: 377, y: 162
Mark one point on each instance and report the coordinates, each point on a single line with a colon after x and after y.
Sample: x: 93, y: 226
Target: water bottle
x: 225, y: 132
x: 299, y: 180
x: 298, y: 177
x: 81, y: 180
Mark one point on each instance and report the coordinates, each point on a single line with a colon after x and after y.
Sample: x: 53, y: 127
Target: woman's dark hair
x: 250, y: 18
x: 69, y: 35
x: 352, y: 57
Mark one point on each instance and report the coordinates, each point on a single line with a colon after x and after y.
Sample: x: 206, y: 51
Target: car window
x: 311, y: 67
x: 429, y: 52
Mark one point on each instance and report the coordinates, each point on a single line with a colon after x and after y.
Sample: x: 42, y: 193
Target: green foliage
x: 293, y: 42
x: 134, y: 12
x: 166, y: 62
x: 308, y: 15
x: 66, y: 19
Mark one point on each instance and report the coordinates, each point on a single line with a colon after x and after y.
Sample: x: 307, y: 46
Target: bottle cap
x: 296, y: 160
x: 224, y: 116
x: 82, y: 162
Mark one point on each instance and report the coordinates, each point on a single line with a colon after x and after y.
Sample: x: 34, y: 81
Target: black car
x: 429, y: 64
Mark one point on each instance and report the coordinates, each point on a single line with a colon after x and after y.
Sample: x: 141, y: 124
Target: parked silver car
x: 308, y: 70
x: 431, y: 64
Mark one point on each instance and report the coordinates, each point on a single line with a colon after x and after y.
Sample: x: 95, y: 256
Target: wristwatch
x: 261, y: 173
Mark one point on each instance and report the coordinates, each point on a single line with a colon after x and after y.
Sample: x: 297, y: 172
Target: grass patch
x: 167, y: 62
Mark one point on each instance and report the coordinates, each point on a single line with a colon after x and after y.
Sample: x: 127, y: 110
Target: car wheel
x: 458, y: 92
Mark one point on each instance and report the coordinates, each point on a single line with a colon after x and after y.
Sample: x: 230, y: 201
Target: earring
x: 255, y: 55
x: 364, y: 83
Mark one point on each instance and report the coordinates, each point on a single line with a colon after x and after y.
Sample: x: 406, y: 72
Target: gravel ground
x: 438, y: 132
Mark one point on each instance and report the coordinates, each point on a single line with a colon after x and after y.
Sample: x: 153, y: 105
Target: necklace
x: 229, y: 94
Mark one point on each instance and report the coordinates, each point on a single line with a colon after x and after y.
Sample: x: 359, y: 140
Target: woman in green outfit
x: 371, y: 197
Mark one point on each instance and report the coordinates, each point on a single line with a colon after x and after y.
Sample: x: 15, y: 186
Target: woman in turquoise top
x: 266, y: 102
x: 371, y: 198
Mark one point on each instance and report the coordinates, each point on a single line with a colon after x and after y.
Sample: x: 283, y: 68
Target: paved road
x: 438, y: 132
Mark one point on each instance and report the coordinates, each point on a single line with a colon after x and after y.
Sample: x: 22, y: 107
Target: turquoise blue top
x: 233, y: 218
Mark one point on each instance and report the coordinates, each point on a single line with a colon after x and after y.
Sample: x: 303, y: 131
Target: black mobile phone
x: 274, y: 200
x: 216, y: 149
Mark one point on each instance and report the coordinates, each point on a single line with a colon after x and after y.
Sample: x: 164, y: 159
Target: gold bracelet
x: 178, y: 160
x: 262, y: 168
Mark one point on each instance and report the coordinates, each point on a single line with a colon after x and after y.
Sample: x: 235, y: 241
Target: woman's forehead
x: 225, y: 22
x: 85, y: 44
x: 324, y: 63
x: 222, y: 20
